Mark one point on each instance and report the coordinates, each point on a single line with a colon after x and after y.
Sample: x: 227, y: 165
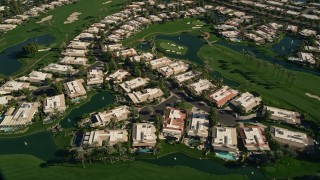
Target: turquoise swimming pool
x: 144, y: 150
x: 226, y: 156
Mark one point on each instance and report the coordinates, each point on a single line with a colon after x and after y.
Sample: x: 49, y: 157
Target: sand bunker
x: 107, y: 2
x: 72, y: 18
x: 45, y: 19
x: 313, y: 96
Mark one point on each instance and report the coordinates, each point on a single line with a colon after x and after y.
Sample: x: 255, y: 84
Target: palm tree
x: 81, y: 155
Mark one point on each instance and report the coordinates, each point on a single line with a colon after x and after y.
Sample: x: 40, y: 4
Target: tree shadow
x: 1, y: 175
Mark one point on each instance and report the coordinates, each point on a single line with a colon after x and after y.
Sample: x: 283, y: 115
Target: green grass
x: 274, y: 89
x: 171, y: 27
x: 171, y: 46
x: 28, y: 167
x: 292, y: 167
x: 63, y: 139
x: 91, y: 11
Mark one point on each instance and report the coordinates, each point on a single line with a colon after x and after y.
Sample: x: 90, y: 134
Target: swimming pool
x: 226, y: 156
x: 144, y: 150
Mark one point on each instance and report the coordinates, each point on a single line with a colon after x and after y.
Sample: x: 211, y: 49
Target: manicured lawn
x: 171, y: 47
x: 91, y: 11
x: 28, y: 167
x: 274, y: 89
x: 291, y: 167
x: 63, y: 139
x: 171, y: 27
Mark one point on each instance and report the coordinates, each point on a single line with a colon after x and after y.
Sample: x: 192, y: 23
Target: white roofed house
x: 307, y: 57
x: 75, y: 52
x: 20, y: 117
x: 160, y: 62
x: 254, y: 139
x: 155, y: 18
x: 120, y: 113
x: 74, y: 60
x: 186, y: 76
x: 126, y: 53
x: 37, y: 76
x: 54, y: 104
x: 198, y: 124
x: 174, y: 68
x: 145, y: 57
x: 200, y: 86
x: 10, y: 86
x: 143, y: 20
x: 102, y: 137
x: 224, y: 139
x: 113, y: 47
x: 282, y: 115
x: 143, y: 135
x: 95, y: 77
x: 246, y: 102
x: 84, y: 37
x: 4, y: 100
x: 79, y: 45
x: 58, y: 68
x: 130, y: 85
x: 75, y: 88
x: 118, y: 76
x: 146, y: 95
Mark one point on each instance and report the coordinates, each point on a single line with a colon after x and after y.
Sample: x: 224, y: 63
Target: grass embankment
x: 291, y: 168
x: 20, y: 166
x: 171, y: 47
x: 274, y: 89
x: 91, y: 11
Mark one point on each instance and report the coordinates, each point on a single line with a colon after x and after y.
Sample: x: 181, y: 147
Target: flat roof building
x: 20, y: 117
x: 37, y: 76
x: 143, y: 135
x: 254, y: 139
x: 186, y: 76
x: 94, y: 77
x: 130, y: 85
x: 79, y: 45
x: 101, y: 137
x: 75, y: 88
x: 146, y: 95
x: 4, y: 100
x: 198, y: 124
x: 56, y: 103
x: 200, y: 86
x: 292, y: 138
x: 160, y: 62
x: 174, y: 68
x: 74, y: 60
x: 246, y: 101
x: 224, y: 139
x: 58, y: 68
x: 282, y: 115
x: 173, y: 125
x: 221, y: 96
x: 118, y: 114
x: 75, y: 52
x: 118, y: 76
x: 10, y: 86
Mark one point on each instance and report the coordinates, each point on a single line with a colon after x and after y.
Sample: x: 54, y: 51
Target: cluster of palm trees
x: 249, y: 58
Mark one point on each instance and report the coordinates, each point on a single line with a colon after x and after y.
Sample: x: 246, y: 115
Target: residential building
x: 246, y: 102
x: 174, y: 68
x: 4, y: 100
x: 198, y: 124
x: 253, y: 138
x: 118, y: 76
x: 146, y: 95
x: 221, y: 96
x: 79, y: 45
x: 74, y: 52
x: 186, y: 76
x: 224, y: 139
x: 282, y: 115
x: 20, y: 117
x: 74, y: 60
x: 126, y: 53
x: 292, y: 138
x: 118, y: 114
x: 160, y: 62
x: 307, y: 57
x: 37, y: 77
x: 198, y: 87
x: 94, y: 77
x: 173, y: 125
x: 143, y: 135
x: 75, y: 88
x: 130, y: 85
x: 101, y: 137
x: 54, y: 104
x: 58, y: 68
x: 10, y: 86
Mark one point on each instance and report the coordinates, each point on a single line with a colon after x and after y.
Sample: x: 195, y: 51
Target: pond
x: 98, y: 101
x: 9, y: 62
x: 205, y: 165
